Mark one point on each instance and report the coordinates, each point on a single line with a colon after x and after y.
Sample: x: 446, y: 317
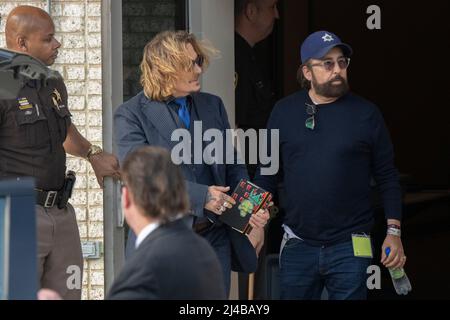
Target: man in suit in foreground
x: 171, y: 261
x: 170, y: 104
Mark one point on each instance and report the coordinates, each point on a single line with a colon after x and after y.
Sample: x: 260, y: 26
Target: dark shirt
x: 327, y: 171
x: 253, y: 92
x: 33, y: 128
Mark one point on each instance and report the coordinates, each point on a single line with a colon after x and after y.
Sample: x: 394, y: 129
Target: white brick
x: 96, y: 278
x: 96, y: 214
x: 79, y: 198
x: 80, y: 212
x: 79, y: 119
x: 85, y: 277
x: 73, y: 41
x: 74, y: 10
x: 71, y: 56
x: 95, y: 103
x: 2, y: 25
x: 71, y: 24
x: 5, y: 9
x: 56, y: 10
x: 92, y: 179
x: 94, y: 134
x: 94, y: 9
x: 84, y: 292
x: 77, y: 103
x: 97, y: 264
x: 83, y: 229
x: 96, y: 229
x: 97, y: 292
x: 76, y: 164
x: 94, y: 87
x: 75, y: 73
x: 94, y: 40
x: 94, y: 25
x: 75, y: 87
x: 81, y: 182
x: 95, y: 73
x: 60, y: 68
x: 95, y: 118
x: 95, y: 199
x: 94, y: 56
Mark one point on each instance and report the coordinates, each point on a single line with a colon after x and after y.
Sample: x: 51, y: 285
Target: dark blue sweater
x: 327, y: 171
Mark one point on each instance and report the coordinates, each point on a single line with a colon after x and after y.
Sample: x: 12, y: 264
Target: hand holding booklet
x: 249, y: 199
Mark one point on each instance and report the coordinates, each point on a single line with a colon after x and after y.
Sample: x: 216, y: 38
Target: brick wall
x: 142, y: 20
x: 78, y: 26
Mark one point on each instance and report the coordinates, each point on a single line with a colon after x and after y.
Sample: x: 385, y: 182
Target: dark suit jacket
x: 173, y: 262
x: 140, y: 121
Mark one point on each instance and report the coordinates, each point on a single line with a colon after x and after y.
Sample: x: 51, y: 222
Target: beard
x: 330, y: 90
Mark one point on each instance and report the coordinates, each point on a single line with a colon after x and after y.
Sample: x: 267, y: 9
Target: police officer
x: 254, y: 22
x: 35, y: 134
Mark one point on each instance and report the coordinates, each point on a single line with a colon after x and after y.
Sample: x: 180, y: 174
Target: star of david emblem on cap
x: 327, y: 38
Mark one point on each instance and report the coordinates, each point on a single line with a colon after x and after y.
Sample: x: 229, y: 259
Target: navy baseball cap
x: 319, y: 43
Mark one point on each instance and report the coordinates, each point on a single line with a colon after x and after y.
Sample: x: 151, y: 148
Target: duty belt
x: 47, y: 199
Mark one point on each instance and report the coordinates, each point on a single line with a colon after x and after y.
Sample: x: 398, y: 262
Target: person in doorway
x: 254, y: 96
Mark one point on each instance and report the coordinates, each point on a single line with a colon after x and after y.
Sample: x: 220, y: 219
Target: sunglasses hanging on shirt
x: 311, y: 110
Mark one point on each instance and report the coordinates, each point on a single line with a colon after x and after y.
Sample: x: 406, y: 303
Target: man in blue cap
x: 332, y: 143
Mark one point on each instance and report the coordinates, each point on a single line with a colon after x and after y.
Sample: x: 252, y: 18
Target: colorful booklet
x: 249, y: 199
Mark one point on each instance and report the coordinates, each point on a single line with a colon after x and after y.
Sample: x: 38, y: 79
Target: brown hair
x: 304, y: 83
x: 241, y: 5
x: 155, y: 183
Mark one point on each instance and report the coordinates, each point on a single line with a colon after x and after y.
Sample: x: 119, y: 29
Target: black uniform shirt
x: 33, y: 128
x: 254, y: 96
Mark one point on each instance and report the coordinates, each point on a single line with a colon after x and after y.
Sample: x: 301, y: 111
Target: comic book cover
x: 249, y: 199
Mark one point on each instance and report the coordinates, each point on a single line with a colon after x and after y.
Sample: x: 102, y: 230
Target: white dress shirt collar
x: 145, y: 232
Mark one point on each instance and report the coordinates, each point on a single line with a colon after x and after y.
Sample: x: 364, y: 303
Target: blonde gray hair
x: 164, y: 57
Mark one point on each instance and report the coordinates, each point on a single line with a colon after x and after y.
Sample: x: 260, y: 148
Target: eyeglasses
x: 311, y: 110
x: 329, y: 65
x: 199, y: 60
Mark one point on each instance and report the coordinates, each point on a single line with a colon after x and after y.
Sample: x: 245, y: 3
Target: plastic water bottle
x: 399, y: 278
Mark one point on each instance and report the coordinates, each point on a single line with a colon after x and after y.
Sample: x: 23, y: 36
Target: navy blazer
x: 173, y: 262
x: 141, y: 121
